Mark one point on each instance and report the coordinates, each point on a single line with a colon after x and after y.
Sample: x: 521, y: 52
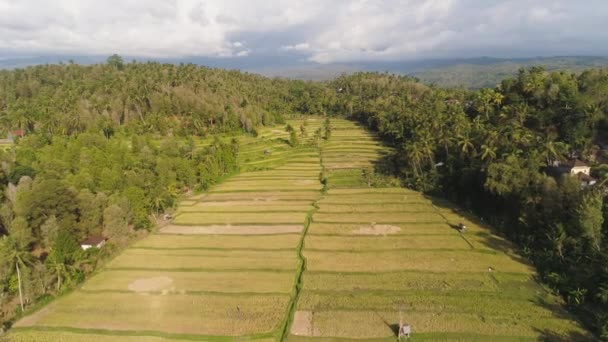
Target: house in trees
x: 575, y: 166
x: 10, y: 136
x: 96, y: 241
x: 18, y: 133
x: 580, y: 170
x: 585, y: 179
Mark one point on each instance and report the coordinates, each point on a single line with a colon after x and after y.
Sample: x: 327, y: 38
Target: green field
x: 273, y: 254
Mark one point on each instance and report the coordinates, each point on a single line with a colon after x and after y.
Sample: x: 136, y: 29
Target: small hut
x: 96, y: 241
x: 404, y: 331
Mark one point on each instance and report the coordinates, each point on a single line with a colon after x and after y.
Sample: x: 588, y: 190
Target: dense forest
x: 108, y: 148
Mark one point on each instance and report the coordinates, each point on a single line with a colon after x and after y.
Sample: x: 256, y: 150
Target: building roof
x: 575, y: 163
x: 18, y: 132
x: 93, y: 240
x: 585, y: 178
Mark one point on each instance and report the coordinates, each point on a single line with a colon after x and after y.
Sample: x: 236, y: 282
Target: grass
x: 227, y: 282
x: 286, y: 241
x: 374, y: 198
x: 378, y: 243
x: 267, y: 196
x: 251, y: 185
x: 67, y: 336
x: 353, y: 228
x: 249, y: 207
x: 179, y: 314
x: 204, y: 260
x: 420, y: 302
x: 433, y: 261
x: 379, y: 217
x: 239, y: 218
x: 370, y: 208
x: 403, y: 281
x: 346, y: 178
x: 378, y: 324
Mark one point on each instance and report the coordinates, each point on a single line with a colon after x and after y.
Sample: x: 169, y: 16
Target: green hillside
x: 273, y: 253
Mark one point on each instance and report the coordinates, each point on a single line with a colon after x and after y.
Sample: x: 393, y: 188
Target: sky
x: 322, y: 31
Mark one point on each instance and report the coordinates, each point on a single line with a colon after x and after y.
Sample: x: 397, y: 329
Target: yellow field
x: 206, y: 260
x: 358, y: 229
x: 286, y: 241
x: 370, y: 243
x: 190, y: 218
x: 176, y: 281
x: 175, y: 313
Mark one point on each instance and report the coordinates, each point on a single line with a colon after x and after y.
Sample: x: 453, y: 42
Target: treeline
x: 146, y: 98
x: 491, y: 151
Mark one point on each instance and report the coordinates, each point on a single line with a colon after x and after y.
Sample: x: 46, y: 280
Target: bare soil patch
x: 153, y: 284
x: 377, y: 229
x: 231, y: 230
x: 302, y: 324
x: 34, y: 318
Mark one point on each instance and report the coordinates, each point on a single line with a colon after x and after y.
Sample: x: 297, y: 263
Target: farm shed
x: 96, y: 241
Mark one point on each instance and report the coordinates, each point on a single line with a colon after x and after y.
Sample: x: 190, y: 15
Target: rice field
x: 224, y: 268
x: 190, y: 218
x: 271, y: 254
x: 375, y: 257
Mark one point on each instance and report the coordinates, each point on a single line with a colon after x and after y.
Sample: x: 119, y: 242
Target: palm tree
x: 19, y: 255
x: 58, y: 267
x: 488, y: 152
x: 466, y: 145
x: 414, y: 155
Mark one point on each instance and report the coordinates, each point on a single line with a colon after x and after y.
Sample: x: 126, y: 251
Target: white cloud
x: 243, y: 53
x: 297, y: 47
x: 325, y: 31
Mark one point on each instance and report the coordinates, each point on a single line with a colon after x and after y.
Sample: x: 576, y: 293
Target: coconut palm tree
x: 17, y: 254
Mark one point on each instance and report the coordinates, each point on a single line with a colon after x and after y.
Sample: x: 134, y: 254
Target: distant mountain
x: 469, y: 73
x: 489, y: 72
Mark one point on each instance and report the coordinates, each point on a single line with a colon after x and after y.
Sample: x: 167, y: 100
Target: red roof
x: 93, y: 240
x: 576, y: 163
x: 18, y: 132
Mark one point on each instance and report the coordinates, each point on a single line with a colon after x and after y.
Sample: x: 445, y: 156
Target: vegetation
x: 492, y: 151
x: 109, y: 148
x: 216, y: 259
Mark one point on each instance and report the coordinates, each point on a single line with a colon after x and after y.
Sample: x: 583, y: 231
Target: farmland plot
x: 224, y: 267
x: 375, y: 257
x: 267, y: 256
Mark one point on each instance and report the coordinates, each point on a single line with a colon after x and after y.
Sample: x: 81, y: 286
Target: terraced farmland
x: 226, y: 266
x: 271, y: 255
x: 374, y: 257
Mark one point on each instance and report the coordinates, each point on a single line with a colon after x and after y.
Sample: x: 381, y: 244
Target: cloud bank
x: 318, y: 30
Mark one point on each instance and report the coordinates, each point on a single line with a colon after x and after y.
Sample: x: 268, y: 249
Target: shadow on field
x: 387, y: 164
x: 490, y: 238
x: 573, y: 336
x: 557, y: 309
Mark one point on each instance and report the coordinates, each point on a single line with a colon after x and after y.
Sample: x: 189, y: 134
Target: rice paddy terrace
x: 271, y: 255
